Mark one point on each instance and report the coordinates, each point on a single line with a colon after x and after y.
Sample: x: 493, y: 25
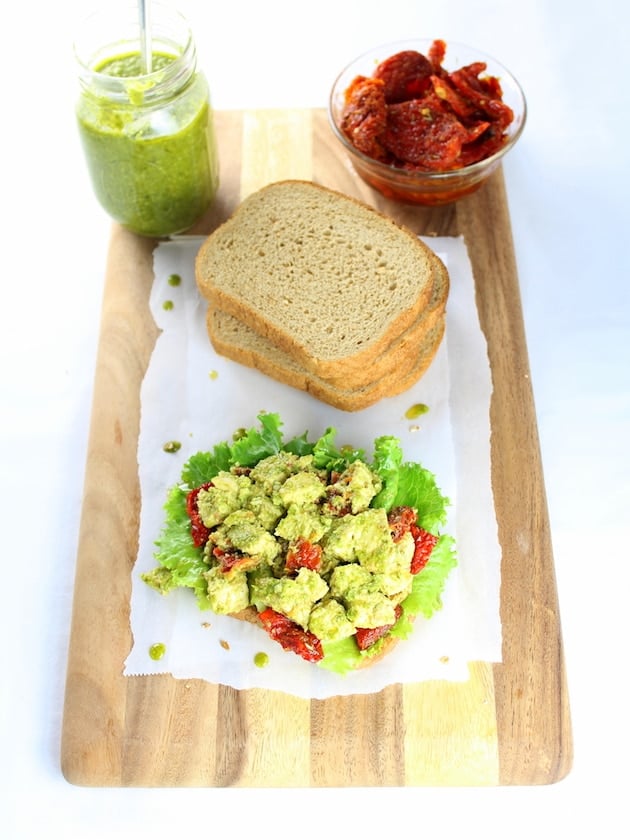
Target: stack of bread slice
x: 323, y: 293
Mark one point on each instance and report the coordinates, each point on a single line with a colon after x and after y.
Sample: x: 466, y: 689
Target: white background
x: 568, y: 183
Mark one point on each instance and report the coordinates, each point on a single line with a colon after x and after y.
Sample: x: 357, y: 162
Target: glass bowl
x: 421, y: 187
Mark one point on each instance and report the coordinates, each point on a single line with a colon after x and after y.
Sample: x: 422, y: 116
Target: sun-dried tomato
x: 406, y: 75
x: 367, y: 636
x: 364, y: 115
x: 231, y: 559
x: 400, y: 520
x: 303, y: 555
x: 437, y: 53
x: 482, y: 93
x: 423, y: 133
x: 424, y: 545
x: 475, y: 131
x: 414, y: 114
x: 444, y: 90
x: 198, y: 531
x: 291, y: 636
x: 490, y: 142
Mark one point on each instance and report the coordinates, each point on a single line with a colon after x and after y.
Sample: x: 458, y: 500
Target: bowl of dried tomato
x: 424, y: 122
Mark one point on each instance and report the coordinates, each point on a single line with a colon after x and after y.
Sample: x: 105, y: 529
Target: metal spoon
x: 144, y: 17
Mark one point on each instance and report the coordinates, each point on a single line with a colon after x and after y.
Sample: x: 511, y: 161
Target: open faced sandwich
x: 331, y: 554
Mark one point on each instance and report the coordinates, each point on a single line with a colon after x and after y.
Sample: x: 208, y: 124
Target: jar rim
x: 104, y: 36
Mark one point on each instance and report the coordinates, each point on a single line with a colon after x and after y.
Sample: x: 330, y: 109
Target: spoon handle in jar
x: 144, y: 17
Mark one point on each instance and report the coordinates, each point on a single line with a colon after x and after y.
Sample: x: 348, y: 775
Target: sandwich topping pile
x: 331, y: 554
x: 323, y: 293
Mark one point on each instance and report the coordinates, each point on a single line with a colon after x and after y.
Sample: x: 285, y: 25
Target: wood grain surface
x: 509, y: 724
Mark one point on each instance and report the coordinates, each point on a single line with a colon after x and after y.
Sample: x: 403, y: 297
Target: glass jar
x: 146, y: 126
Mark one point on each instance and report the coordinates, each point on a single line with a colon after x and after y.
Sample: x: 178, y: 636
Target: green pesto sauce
x: 168, y: 305
x: 261, y: 659
x: 154, y: 166
x: 129, y: 65
x: 157, y: 651
x: 174, y: 280
x: 172, y: 446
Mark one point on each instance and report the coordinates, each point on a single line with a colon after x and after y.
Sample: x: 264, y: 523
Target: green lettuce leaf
x: 341, y: 657
x: 180, y: 562
x: 327, y: 455
x: 418, y: 489
x: 203, y: 466
x: 299, y: 445
x: 425, y: 597
x: 255, y: 444
x: 387, y: 460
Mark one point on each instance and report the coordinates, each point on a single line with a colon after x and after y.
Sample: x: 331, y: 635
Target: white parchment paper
x: 193, y: 395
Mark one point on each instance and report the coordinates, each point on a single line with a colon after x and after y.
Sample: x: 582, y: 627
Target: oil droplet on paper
x: 214, y: 374
x: 157, y: 651
x: 416, y: 410
x: 261, y: 659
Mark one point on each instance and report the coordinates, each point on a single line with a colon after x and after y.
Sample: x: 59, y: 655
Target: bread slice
x: 402, y: 348
x: 242, y: 344
x: 231, y: 337
x: 324, y: 277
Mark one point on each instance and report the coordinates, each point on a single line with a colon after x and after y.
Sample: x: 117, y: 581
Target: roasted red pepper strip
x: 291, y: 636
x: 198, y: 530
x: 367, y: 636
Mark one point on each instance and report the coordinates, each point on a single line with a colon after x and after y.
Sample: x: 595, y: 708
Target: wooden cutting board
x: 507, y: 725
